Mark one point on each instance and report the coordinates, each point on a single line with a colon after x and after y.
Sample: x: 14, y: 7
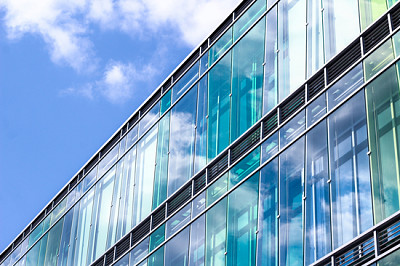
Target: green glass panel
x: 216, y: 234
x: 396, y: 43
x: 161, y: 174
x: 220, y: 46
x: 378, y: 59
x: 201, y: 126
x: 219, y: 89
x: 247, y: 80
x: 217, y: 189
x: 315, y: 41
x: 42, y: 252
x: 248, y: 18
x: 165, y: 102
x: 383, y: 107
x: 33, y: 255
x: 157, y: 237
x: 242, y: 223
x: 244, y: 167
x: 157, y: 258
x: 53, y: 243
x: 390, y: 260
x: 370, y: 10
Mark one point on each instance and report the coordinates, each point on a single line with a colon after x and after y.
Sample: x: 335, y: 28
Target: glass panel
x: 53, y: 243
x: 219, y: 88
x: 176, y: 250
x: 268, y: 212
x: 157, y: 237
x: 248, y: 18
x: 271, y: 2
x: 316, y: 110
x: 383, y: 124
x: 42, y: 253
x: 370, y: 10
x: 185, y: 82
x: 345, y: 86
x: 217, y: 189
x: 140, y: 251
x: 197, y: 242
x: 243, y: 168
x: 161, y: 174
x: 73, y: 237
x: 270, y: 95
x: 58, y: 211
x: 32, y: 256
x: 89, y: 179
x: 291, y: 204
x: 35, y: 234
x: 132, y: 136
x: 74, y: 195
x: 391, y: 259
x: 149, y: 119
x: 157, y: 258
x: 341, y: 25
x: 165, y: 102
x: 108, y: 161
x: 247, y: 80
x: 315, y: 41
x: 317, y: 229
x: 242, y: 223
x: 123, y: 262
x: 220, y: 46
x: 292, y: 129
x: 179, y: 220
x: 181, y: 149
x: 380, y: 58
x: 203, y: 63
x: 216, y: 234
x: 269, y: 147
x: 391, y: 2
x: 199, y: 204
x: 122, y: 146
x: 146, y: 158
x: 349, y: 171
x: 396, y: 43
x: 201, y: 126
x: 291, y: 45
x: 65, y: 238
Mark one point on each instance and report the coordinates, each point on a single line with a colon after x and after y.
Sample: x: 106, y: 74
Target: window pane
x: 132, y: 136
x: 53, y: 243
x: 58, y: 211
x: 176, y: 250
x: 197, y: 242
x: 179, y: 220
x: 269, y: 147
x: 220, y: 46
x: 247, y: 80
x: 396, y: 43
x: 165, y: 102
x: 291, y: 204
x: 157, y: 258
x: 199, y: 204
x: 42, y: 252
x: 383, y: 124
x: 243, y: 168
x: 292, y: 129
x: 65, y: 238
x: 89, y: 179
x: 370, y: 10
x: 248, y: 18
x: 108, y: 161
x: 268, y: 212
x: 242, y: 223
x: 123, y: 262
x: 157, y: 237
x: 140, y: 251
x: 315, y: 41
x: 181, y: 149
x: 185, y: 82
x: 73, y: 238
x: 149, y: 119
x: 217, y: 189
x: 380, y: 58
x: 203, y: 63
x: 201, y: 126
x: 316, y: 110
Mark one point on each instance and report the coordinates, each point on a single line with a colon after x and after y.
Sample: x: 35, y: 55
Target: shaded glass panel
x: 149, y: 119
x: 315, y: 37
x: 132, y: 136
x: 242, y: 223
x: 199, y: 204
x: 185, y: 82
x: 291, y: 204
x: 269, y: 147
x: 201, y: 126
x: 248, y: 18
x: 220, y: 46
x: 244, y: 167
x: 140, y: 251
x: 165, y: 102
x: 217, y: 189
x: 157, y: 258
x: 292, y: 129
x: 349, y: 171
x: 197, y: 242
x: 53, y: 243
x: 181, y: 148
x: 370, y: 10
x: 65, y: 238
x: 380, y: 58
x: 247, y: 80
x: 316, y: 110
x: 157, y: 237
x: 177, y: 249
x: 179, y: 220
x: 383, y: 108
x: 268, y: 212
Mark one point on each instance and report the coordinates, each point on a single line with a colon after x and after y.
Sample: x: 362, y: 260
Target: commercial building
x: 274, y: 143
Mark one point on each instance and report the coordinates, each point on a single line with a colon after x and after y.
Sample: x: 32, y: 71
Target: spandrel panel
x: 198, y: 204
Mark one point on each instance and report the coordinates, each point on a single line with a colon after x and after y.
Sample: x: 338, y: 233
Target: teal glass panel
x: 197, y: 242
x: 65, y: 238
x: 220, y: 46
x: 244, y: 167
x: 380, y: 58
x: 270, y: 94
x: 315, y: 37
x: 107, y: 161
x: 383, y: 108
x: 248, y: 18
x: 292, y: 129
x: 349, y: 171
x: 267, y: 253
x: 165, y: 102
x: 42, y: 252
x: 157, y: 237
x: 242, y: 223
x: 58, y: 211
x: 291, y: 45
x: 317, y: 227
x: 35, y: 234
x: 89, y: 179
x: 161, y: 174
x: 53, y: 243
x: 184, y: 83
x: 390, y: 260
x: 391, y: 2
x: 216, y: 234
x: 177, y: 249
x: 217, y: 189
x: 291, y: 204
x: 201, y: 126
x: 123, y: 262
x: 140, y: 251
x: 199, y: 204
x: 149, y: 119
x: 144, y: 178
x: 219, y: 89
x: 73, y: 237
x: 371, y: 10
x: 396, y: 43
x: 132, y: 136
x: 157, y: 258
x: 345, y: 86
x: 247, y: 80
x: 203, y: 63
x: 316, y: 110
x: 101, y: 215
x: 269, y: 147
x: 181, y: 148
x: 179, y: 220
x: 341, y: 25
x: 32, y: 256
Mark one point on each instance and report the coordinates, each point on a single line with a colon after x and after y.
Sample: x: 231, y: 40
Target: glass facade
x: 329, y: 172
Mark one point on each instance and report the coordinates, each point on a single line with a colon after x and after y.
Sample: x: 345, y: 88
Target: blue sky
x: 71, y: 72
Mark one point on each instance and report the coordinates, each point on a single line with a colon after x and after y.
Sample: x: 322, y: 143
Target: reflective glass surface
x: 179, y: 220
x: 177, y: 249
x: 244, y: 167
x: 315, y: 40
x: 201, y: 126
x: 370, y: 10
x: 269, y: 147
x: 248, y: 18
x: 220, y: 46
x: 140, y: 251
x: 183, y: 84
x: 316, y: 109
x: 149, y: 118
x: 197, y: 242
x: 292, y: 129
x: 378, y: 59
